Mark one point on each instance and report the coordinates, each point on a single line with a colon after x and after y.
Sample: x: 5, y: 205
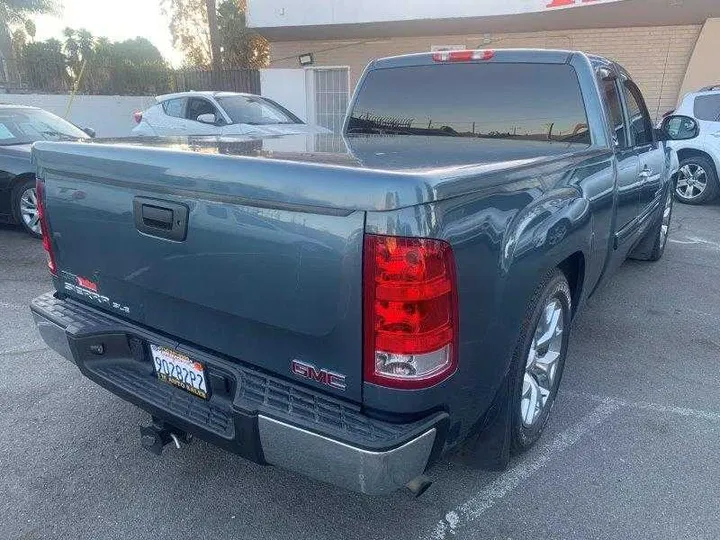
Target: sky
x: 115, y: 19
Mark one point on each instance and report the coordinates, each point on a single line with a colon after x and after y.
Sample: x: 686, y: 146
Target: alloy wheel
x: 29, y: 210
x: 692, y: 181
x: 665, y: 225
x: 542, y: 363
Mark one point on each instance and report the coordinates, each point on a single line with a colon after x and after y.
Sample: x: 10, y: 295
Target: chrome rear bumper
x: 380, y: 465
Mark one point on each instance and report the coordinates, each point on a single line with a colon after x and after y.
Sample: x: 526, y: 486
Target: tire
x: 24, y: 207
x: 697, y: 181
x: 531, y: 371
x: 652, y: 247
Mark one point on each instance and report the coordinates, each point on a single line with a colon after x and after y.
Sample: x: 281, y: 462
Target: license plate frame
x: 179, y: 370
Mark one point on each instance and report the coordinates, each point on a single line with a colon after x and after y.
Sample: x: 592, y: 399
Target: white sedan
x: 218, y: 114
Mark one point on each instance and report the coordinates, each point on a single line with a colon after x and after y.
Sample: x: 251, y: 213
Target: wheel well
x: 17, y: 181
x: 574, y: 269
x: 21, y: 178
x: 686, y: 153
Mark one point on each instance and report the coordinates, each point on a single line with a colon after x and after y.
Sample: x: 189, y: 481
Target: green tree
x: 137, y: 67
x: 190, y: 30
x: 237, y: 46
x: 44, y: 66
x: 14, y: 12
x: 30, y: 28
x: 242, y: 48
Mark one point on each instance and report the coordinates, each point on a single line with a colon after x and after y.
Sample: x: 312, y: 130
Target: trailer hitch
x: 159, y: 434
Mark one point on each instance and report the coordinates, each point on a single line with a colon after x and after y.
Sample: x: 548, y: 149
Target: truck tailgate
x: 261, y: 282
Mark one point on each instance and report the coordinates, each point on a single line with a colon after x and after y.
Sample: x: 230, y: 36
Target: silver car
x: 218, y: 114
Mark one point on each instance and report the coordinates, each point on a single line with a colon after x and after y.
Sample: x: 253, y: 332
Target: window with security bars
x: 331, y: 97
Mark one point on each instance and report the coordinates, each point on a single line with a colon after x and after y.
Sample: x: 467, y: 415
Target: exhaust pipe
x: 419, y: 485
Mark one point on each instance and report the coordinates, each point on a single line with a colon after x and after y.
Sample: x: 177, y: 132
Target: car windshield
x: 521, y: 102
x: 256, y: 111
x: 25, y: 126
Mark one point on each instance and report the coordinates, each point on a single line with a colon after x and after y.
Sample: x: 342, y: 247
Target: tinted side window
x: 520, y: 102
x: 198, y: 106
x: 641, y: 128
x: 611, y: 97
x: 708, y: 108
x: 174, y: 107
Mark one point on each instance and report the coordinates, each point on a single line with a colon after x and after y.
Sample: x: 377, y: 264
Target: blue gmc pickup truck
x: 353, y: 308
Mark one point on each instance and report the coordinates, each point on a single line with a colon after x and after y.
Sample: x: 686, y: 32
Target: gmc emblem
x: 322, y: 376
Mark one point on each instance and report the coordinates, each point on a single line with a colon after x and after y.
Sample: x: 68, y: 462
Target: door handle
x: 157, y: 217
x: 162, y: 219
x: 646, y: 173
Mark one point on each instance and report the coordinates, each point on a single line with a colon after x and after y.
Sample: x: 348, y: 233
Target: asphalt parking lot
x: 632, y: 451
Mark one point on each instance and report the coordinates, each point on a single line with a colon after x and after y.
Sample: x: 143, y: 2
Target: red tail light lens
x: 410, y: 313
x: 47, y: 244
x: 137, y: 116
x: 463, y: 56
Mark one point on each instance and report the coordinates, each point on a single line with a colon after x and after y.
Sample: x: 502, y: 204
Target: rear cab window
x: 707, y: 108
x: 520, y: 102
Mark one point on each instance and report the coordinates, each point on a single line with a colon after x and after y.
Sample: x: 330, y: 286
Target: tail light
x: 47, y: 244
x: 463, y: 56
x: 137, y: 116
x: 410, y: 311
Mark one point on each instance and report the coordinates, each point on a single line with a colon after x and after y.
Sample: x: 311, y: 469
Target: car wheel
x: 539, y: 360
x: 697, y: 181
x: 25, y: 209
x: 652, y: 246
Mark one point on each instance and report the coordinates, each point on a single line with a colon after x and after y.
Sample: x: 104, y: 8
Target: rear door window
x: 174, y: 107
x: 708, y: 108
x: 521, y: 102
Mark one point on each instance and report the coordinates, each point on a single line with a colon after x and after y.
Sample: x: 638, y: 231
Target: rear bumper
x: 260, y: 417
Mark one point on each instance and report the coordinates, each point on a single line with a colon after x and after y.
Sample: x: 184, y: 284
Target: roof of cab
x: 545, y: 56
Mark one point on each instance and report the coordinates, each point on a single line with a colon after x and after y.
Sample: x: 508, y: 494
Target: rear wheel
x: 539, y: 360
x: 25, y: 209
x: 697, y: 181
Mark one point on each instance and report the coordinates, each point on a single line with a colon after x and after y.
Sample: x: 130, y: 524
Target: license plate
x: 179, y: 370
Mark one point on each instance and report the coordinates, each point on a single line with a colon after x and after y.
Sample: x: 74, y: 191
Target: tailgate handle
x: 162, y: 219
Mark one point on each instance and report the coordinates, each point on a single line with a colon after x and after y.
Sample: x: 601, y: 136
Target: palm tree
x: 15, y: 11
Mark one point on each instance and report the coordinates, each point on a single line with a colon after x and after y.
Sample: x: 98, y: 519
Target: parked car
x: 20, y: 126
x: 697, y: 182
x: 218, y: 114
x: 355, y: 317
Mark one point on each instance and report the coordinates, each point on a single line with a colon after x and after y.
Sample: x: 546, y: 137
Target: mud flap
x: 490, y: 448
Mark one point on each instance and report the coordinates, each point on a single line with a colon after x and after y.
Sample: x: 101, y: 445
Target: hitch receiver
x: 159, y: 434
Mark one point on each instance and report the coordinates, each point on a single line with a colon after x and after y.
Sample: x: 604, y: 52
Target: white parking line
x: 494, y: 492
x: 653, y: 407
x: 695, y: 240
x: 35, y: 346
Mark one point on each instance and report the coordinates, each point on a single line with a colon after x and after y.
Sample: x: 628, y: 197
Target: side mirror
x: 90, y: 132
x: 208, y: 118
x: 679, y: 128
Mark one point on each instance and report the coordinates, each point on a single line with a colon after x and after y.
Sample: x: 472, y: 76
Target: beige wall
x: 704, y: 67
x: 657, y: 57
